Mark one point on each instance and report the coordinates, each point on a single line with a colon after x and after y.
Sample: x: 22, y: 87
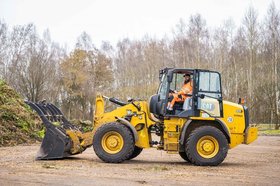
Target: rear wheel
x: 113, y: 142
x: 206, y: 146
x: 136, y: 152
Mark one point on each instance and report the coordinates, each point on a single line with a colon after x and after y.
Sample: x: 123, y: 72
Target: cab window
x: 177, y: 82
x: 162, y: 91
x: 209, y: 84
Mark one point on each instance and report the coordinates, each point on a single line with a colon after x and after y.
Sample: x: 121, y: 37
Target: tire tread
x: 121, y: 156
x: 211, y: 162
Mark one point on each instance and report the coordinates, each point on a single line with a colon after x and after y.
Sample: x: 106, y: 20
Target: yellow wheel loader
x: 201, y: 129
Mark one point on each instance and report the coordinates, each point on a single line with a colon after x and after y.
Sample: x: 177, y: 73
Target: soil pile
x: 18, y: 124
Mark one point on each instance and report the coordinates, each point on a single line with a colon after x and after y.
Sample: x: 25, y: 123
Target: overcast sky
x: 112, y: 20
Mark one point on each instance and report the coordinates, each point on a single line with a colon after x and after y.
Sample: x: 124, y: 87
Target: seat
x: 187, y: 104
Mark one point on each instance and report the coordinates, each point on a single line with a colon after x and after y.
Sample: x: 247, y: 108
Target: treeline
x: 248, y: 57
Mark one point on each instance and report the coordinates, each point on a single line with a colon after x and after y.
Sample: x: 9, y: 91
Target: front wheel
x: 113, y: 142
x: 206, y: 146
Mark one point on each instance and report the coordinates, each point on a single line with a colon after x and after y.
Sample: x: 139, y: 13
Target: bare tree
x: 3, y: 49
x: 198, y: 36
x: 251, y: 31
x: 272, y: 40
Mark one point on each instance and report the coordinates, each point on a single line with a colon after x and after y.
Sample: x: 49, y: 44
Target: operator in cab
x: 182, y: 94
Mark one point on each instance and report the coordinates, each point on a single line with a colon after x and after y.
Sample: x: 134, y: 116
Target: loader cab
x: 205, y: 100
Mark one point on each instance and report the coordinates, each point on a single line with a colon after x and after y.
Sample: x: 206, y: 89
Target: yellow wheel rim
x: 112, y: 142
x: 207, y: 147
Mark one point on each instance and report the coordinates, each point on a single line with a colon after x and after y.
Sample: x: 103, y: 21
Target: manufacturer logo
x: 230, y: 119
x: 207, y: 106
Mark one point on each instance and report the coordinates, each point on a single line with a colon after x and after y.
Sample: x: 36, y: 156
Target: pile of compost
x: 18, y: 124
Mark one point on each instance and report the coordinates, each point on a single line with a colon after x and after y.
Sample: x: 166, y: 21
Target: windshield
x: 162, y: 91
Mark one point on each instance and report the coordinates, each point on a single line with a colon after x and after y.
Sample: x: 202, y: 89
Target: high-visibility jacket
x: 186, y: 89
x: 182, y: 94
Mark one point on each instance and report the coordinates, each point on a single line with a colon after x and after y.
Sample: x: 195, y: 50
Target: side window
x: 210, y: 86
x: 163, y: 88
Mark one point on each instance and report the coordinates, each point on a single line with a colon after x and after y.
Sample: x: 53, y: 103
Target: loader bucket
x: 52, y: 147
x: 56, y: 143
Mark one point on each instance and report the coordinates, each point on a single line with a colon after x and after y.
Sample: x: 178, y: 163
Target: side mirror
x: 202, y: 96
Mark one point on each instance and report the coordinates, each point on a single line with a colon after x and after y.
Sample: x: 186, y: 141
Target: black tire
x: 184, y: 156
x: 136, y: 152
x: 113, y: 142
x: 206, y: 146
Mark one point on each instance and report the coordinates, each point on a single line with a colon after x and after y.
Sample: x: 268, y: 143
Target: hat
x: 187, y: 74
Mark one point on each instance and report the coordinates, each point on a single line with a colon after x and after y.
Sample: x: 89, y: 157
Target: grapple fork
x: 56, y: 143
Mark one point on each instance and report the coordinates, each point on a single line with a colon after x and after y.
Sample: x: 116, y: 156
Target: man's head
x: 187, y: 78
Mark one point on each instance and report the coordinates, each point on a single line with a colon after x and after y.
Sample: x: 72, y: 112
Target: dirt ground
x: 254, y: 164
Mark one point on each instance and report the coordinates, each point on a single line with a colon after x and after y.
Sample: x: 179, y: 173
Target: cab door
x: 209, y: 94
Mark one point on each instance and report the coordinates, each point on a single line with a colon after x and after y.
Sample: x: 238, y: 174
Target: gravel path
x: 254, y: 164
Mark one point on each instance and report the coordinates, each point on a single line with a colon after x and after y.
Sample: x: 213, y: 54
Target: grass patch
x: 265, y: 129
x: 269, y: 132
x: 265, y: 126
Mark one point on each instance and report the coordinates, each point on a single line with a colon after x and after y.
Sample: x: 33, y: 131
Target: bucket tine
x: 41, y: 112
x: 53, y: 113
x: 58, y: 115
x: 45, y: 112
x: 66, y: 123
